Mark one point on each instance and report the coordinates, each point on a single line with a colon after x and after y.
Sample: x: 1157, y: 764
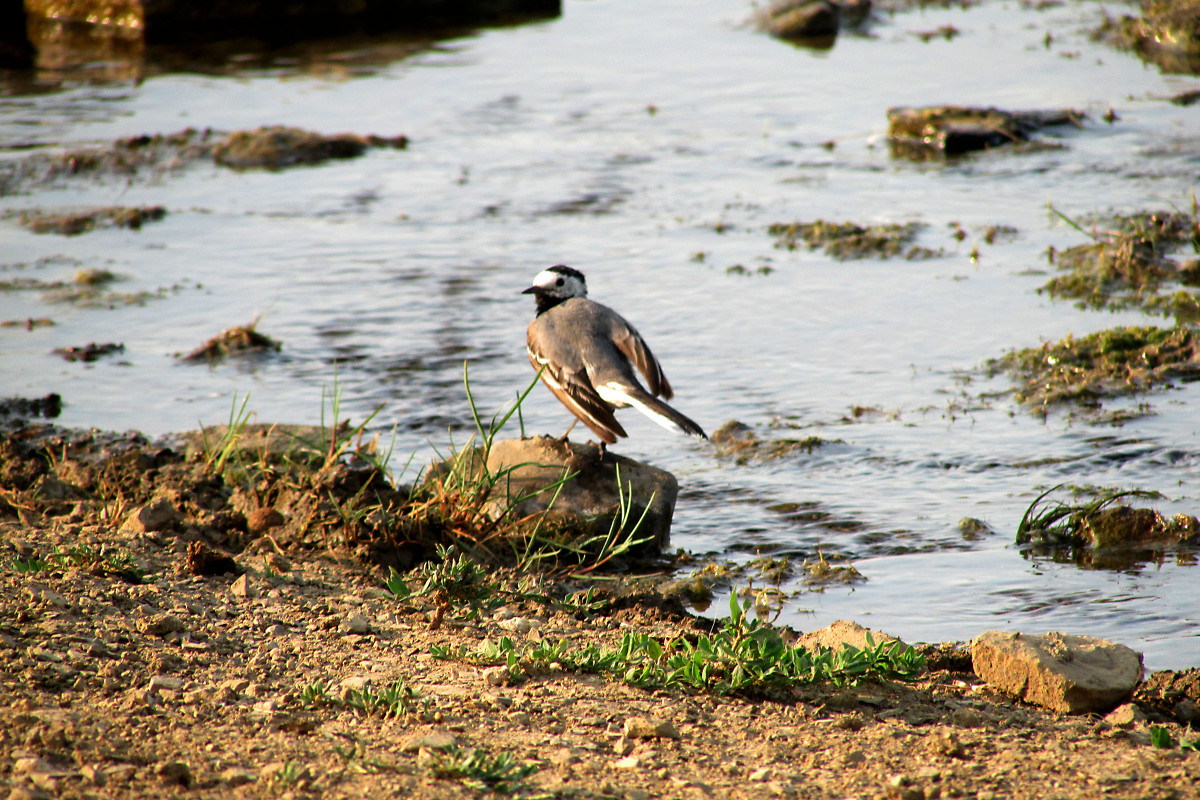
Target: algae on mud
x: 849, y: 240
x: 1129, y: 264
x: 1110, y: 363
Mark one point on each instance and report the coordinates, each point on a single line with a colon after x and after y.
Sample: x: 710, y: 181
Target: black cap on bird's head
x: 556, y: 284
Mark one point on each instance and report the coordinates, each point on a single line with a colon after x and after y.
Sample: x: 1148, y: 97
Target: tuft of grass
x: 457, y: 584
x: 501, y: 773
x: 1081, y: 523
x: 218, y: 453
x: 745, y: 657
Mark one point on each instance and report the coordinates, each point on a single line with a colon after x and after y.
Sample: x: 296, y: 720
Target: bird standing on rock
x: 586, y: 353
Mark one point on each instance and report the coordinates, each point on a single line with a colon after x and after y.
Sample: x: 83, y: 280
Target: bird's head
x: 558, y: 283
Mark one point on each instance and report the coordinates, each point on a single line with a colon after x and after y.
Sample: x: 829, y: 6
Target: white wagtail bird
x: 586, y: 353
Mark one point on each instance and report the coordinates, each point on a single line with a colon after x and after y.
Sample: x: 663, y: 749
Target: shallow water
x: 625, y: 138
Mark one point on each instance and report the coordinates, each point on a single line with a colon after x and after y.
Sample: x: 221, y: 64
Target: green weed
x: 1161, y: 738
x: 745, y: 657
x: 501, y: 773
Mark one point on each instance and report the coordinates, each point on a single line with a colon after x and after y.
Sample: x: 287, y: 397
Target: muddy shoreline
x: 281, y: 664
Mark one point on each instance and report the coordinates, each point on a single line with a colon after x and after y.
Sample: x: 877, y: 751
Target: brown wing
x: 575, y: 392
x: 631, y: 343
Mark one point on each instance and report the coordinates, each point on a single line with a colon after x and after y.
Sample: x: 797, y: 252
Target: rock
x: 649, y: 728
x: 1071, y: 674
x: 157, y: 515
x: 1125, y: 716
x: 841, y: 633
x: 919, y: 133
x: 588, y: 503
x: 357, y: 624
x: 631, y: 761
x: 799, y: 19
x: 519, y: 624
x: 262, y: 520
x: 237, y: 776
x: 246, y: 587
x: 174, y: 772
x: 157, y: 624
x: 436, y: 739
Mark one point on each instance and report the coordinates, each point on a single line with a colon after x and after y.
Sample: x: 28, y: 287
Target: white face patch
x: 556, y: 284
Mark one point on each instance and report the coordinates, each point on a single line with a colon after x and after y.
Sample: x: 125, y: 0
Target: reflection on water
x: 652, y: 146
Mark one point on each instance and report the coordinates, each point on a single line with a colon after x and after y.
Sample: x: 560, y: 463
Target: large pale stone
x: 1071, y: 674
x: 588, y: 502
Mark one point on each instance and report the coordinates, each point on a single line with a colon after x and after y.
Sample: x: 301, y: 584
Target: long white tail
x: 651, y: 406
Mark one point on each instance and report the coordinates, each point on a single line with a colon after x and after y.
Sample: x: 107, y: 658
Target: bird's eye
x: 559, y: 282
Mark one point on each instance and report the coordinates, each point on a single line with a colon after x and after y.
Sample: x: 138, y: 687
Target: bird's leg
x: 563, y: 438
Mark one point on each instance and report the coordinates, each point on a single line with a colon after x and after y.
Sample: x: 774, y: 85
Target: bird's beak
x: 530, y: 290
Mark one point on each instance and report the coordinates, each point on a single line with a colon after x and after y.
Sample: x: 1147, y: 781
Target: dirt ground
x: 128, y: 671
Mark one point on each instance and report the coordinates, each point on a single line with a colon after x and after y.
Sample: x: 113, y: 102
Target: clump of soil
x: 849, y: 240
x: 77, y: 222
x: 938, y: 131
x: 274, y: 147
x: 238, y: 340
x: 151, y: 654
x: 1113, y: 362
x: 277, y: 146
x: 1128, y: 265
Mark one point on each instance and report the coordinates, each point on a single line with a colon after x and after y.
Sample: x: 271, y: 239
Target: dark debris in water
x: 49, y: 406
x: 89, y: 352
x: 739, y: 441
x: 278, y: 146
x: 1128, y: 265
x: 938, y: 131
x: 73, y: 223
x: 849, y: 240
x: 238, y: 340
x: 149, y: 156
x: 1113, y: 362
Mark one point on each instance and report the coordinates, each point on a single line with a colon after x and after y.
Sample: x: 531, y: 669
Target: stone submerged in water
x: 588, y: 503
x: 1061, y: 672
x: 931, y: 131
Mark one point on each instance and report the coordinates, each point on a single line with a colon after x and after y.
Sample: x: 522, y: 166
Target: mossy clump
x: 849, y: 240
x: 1167, y: 33
x: 739, y: 441
x: 1128, y: 265
x: 238, y: 340
x: 1112, y: 362
x: 73, y: 223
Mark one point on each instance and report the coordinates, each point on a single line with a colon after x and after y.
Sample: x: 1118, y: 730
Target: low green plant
x: 397, y: 699
x: 745, y: 657
x: 103, y: 560
x: 501, y: 773
x: 1161, y: 738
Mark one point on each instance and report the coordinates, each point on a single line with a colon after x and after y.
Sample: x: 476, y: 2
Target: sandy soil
x: 124, y: 674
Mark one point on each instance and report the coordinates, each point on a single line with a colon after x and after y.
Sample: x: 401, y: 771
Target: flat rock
x: 1058, y: 671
